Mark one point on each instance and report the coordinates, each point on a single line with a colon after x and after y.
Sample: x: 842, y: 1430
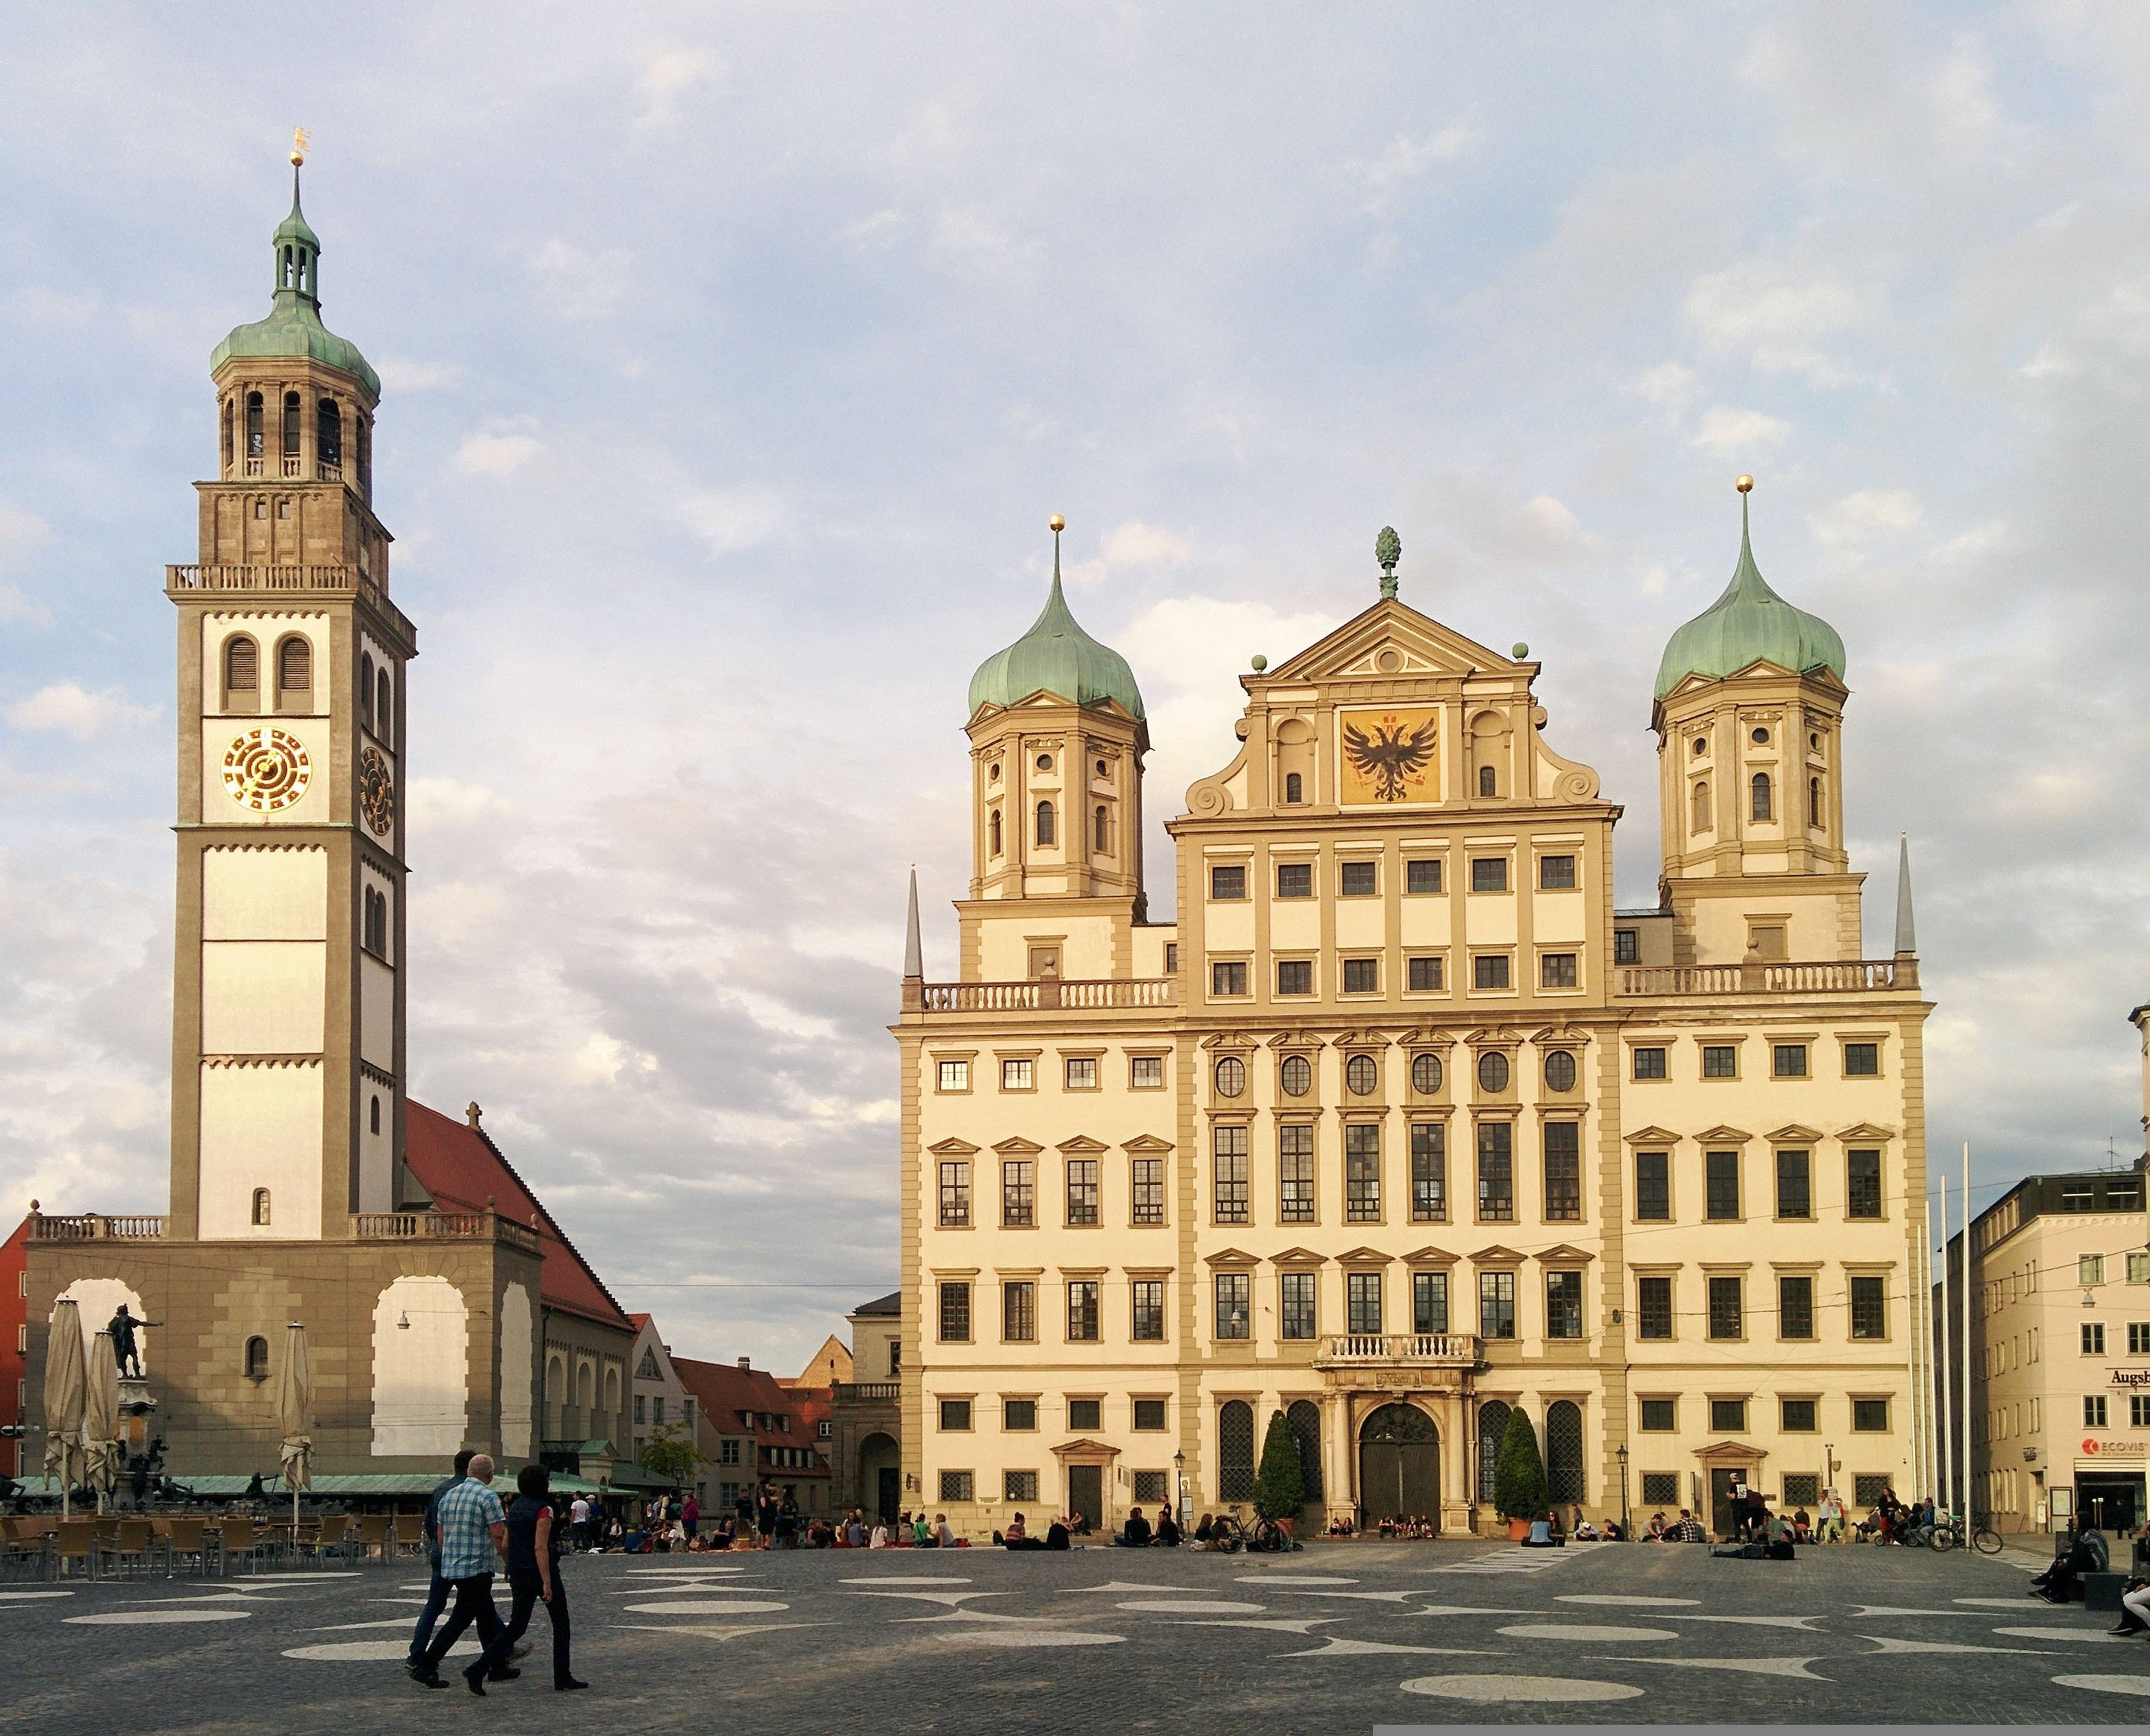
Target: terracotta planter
x: 1518, y: 1529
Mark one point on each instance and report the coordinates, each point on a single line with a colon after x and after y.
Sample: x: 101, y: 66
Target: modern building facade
x: 1401, y: 1124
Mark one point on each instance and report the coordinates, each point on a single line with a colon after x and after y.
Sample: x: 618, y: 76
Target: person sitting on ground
x: 1056, y: 1535
x: 1541, y: 1535
x: 1802, y: 1527
x: 1685, y: 1529
x: 1136, y: 1535
x: 1613, y: 1532
x: 1777, y: 1538
x: 1655, y: 1531
x: 1586, y: 1532
x: 943, y: 1538
x: 879, y: 1540
x: 856, y: 1534
x: 1205, y: 1534
x: 1168, y: 1530
x: 1017, y: 1535
x: 2135, y: 1606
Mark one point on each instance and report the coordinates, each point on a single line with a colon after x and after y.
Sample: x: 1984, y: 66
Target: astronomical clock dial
x: 266, y: 769
x: 376, y: 791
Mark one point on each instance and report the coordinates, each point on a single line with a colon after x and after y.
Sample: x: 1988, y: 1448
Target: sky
x: 735, y: 356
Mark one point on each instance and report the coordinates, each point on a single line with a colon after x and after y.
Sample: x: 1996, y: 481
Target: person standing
x: 474, y: 1534
x: 578, y: 1516
x: 436, y: 1589
x: 690, y: 1517
x: 533, y: 1577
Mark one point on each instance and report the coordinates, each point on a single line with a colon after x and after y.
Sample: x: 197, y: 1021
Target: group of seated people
x: 1891, y: 1522
x: 2090, y: 1553
x: 1407, y: 1526
x: 1685, y: 1529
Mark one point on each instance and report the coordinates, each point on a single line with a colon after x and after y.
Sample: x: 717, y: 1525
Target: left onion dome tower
x: 288, y: 1064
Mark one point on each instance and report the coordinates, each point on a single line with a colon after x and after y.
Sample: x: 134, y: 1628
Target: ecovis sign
x: 2095, y: 1450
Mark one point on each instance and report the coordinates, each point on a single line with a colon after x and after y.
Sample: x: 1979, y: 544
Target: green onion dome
x: 1057, y: 657
x: 1748, y: 624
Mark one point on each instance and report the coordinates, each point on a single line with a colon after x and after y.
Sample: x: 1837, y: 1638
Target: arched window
x: 1292, y: 787
x: 1564, y: 1450
x: 611, y: 1392
x: 377, y: 1115
x: 1303, y: 1418
x: 1045, y: 832
x: 1235, y: 1450
x: 328, y: 433
x: 384, y: 713
x: 260, y: 1207
x: 291, y: 413
x: 994, y: 828
x: 253, y: 431
x: 1760, y: 806
x: 586, y: 1386
x: 366, y: 687
x: 295, y: 666
x: 242, y: 665
x: 1698, y: 807
x: 1813, y: 803
x: 1493, y: 1424
x: 257, y: 1358
x: 1487, y: 782
x: 228, y: 451
x: 556, y: 1382
x: 1101, y: 832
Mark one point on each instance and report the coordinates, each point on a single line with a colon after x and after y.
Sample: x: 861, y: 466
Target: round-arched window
x: 1493, y: 1072
x: 1761, y: 735
x: 1701, y: 745
x: 1298, y: 1076
x: 1231, y: 1076
x: 1362, y: 1075
x: 1560, y: 1071
x: 1426, y: 1074
x: 257, y: 1358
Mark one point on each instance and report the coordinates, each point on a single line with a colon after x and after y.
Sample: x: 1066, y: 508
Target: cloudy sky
x: 735, y: 356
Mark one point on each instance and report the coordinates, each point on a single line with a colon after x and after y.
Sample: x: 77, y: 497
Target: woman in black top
x: 534, y: 1576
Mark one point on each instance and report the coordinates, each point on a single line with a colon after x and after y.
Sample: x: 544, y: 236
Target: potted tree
x: 1280, y: 1491
x: 1519, y: 1478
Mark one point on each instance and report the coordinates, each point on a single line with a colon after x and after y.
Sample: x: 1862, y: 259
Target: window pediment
x: 1497, y: 1255
x: 1364, y: 1257
x: 1235, y: 1257
x: 1723, y: 1136
x: 1082, y: 1146
x: 1795, y: 1135
x: 1867, y: 1130
x: 1430, y: 1257
x: 1651, y: 1135
x: 1018, y: 1146
x: 1297, y: 1257
x: 1566, y: 1253
x: 1145, y: 1145
x: 952, y: 1148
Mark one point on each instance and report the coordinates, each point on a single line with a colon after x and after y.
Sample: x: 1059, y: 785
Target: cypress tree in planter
x: 1279, y: 1491
x: 1519, y: 1478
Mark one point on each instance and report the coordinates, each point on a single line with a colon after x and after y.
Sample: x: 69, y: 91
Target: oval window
x: 1231, y: 1076
x: 993, y: 774
x: 1560, y: 1071
x: 1701, y: 744
x: 1761, y: 735
x: 1045, y: 762
x: 1298, y: 1076
x: 1102, y: 771
x: 1426, y: 1074
x: 1493, y: 1072
x: 1362, y: 1075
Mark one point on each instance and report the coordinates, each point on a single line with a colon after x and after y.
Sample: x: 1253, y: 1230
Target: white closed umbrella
x: 100, y: 1424
x: 67, y: 1392
x: 294, y: 1394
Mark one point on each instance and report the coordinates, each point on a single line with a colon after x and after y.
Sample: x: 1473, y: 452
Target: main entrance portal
x: 1399, y: 1465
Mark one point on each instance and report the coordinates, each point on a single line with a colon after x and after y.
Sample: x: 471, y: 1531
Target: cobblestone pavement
x: 1337, y: 1637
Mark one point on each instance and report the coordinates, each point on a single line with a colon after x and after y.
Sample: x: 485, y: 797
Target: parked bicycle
x: 1952, y: 1533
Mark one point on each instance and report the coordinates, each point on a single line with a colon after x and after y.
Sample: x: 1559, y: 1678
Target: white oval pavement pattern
x: 1010, y: 1637
x: 1612, y: 1600
x: 2139, y: 1686
x: 1583, y: 1630
x: 1519, y: 1690
x: 1192, y: 1607
x: 373, y: 1651
x: 904, y: 1579
x: 705, y: 1606
x: 159, y: 1618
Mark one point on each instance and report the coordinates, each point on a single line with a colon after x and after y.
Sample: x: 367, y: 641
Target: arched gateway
x: 1399, y: 1465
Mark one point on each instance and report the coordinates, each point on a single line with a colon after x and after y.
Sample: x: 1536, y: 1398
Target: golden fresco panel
x: 1389, y: 754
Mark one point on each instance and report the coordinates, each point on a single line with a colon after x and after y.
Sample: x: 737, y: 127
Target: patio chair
x: 127, y: 1546
x: 242, y: 1543
x: 74, y: 1544
x: 187, y: 1539
x: 26, y: 1548
x: 409, y: 1533
x: 376, y: 1534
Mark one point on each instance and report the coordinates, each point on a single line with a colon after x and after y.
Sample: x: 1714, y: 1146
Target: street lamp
x: 1626, y: 1526
x: 1180, y: 1485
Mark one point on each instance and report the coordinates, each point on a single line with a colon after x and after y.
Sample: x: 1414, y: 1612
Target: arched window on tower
x: 1488, y: 781
x: 1101, y: 840
x: 328, y: 433
x: 1698, y: 807
x: 384, y: 713
x: 1813, y: 803
x: 294, y: 667
x: 229, y: 451
x: 292, y: 414
x: 1293, y: 787
x: 1760, y: 806
x: 1044, y: 831
x: 993, y: 828
x: 366, y: 687
x: 376, y: 1117
x: 257, y: 1358
x: 260, y: 1207
x: 255, y: 435
x: 242, y: 673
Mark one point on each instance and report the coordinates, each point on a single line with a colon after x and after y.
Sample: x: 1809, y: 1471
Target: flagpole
x: 1968, y: 1504
x: 1947, y: 1396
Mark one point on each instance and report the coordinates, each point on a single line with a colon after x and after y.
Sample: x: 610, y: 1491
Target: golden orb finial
x: 1744, y: 485
x: 300, y: 138
x: 1056, y: 524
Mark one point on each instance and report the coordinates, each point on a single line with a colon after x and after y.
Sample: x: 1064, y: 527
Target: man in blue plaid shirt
x: 472, y: 1534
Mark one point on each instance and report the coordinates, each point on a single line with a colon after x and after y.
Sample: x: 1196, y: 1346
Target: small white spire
x: 1907, y: 936
x: 913, y: 951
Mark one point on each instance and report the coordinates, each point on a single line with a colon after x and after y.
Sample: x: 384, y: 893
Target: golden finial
x: 300, y: 138
x: 1056, y: 524
x: 1744, y: 485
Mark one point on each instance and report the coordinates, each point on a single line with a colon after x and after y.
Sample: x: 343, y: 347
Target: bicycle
x: 1952, y: 1533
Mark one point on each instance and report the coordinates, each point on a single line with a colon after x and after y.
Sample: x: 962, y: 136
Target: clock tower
x: 288, y: 1010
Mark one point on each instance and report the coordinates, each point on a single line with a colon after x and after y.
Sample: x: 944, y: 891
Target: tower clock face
x: 266, y: 769
x: 376, y: 791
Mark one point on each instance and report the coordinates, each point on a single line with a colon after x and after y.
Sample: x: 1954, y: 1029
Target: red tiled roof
x: 461, y: 1167
x: 723, y: 1390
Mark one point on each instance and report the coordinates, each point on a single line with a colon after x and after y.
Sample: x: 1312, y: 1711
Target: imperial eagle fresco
x: 1392, y: 755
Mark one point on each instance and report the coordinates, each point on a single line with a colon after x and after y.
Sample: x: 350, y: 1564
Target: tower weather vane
x: 300, y: 138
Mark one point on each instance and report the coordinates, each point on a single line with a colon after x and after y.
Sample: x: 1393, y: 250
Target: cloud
x: 499, y: 455
x: 973, y: 243
x: 1730, y: 433
x: 1858, y: 521
x: 729, y: 520
x: 400, y: 374
x: 572, y: 283
x: 1669, y: 385
x: 1406, y: 159
x: 882, y: 231
x: 1780, y: 319
x: 67, y: 709
x: 668, y: 80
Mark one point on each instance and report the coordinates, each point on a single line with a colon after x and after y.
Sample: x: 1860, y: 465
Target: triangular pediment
x: 1652, y: 1136
x: 1728, y: 1450
x: 1297, y: 1257
x: 1231, y: 1257
x: 1364, y: 1257
x: 1083, y: 1447
x: 1867, y: 1130
x: 1362, y: 1040
x: 1565, y: 1253
x: 1723, y: 1136
x: 1230, y: 1040
x: 1794, y: 1135
x: 1146, y: 1145
x: 1082, y: 1146
x: 1430, y: 1257
x: 1497, y: 1255
x: 1294, y: 1040
x: 952, y: 1148
x: 1392, y: 642
x: 1561, y: 1036
x: 1018, y: 1146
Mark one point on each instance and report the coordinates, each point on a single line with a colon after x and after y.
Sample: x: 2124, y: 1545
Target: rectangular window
x: 2094, y: 1411
x: 1721, y: 1173
x: 1728, y: 1308
x: 1295, y: 1172
x: 1228, y: 978
x: 1563, y: 1172
x: 1563, y: 1304
x: 1228, y: 883
x: 1146, y: 1187
x: 1422, y: 875
x: 1794, y: 1185
x: 2138, y: 1269
x: 1496, y: 1172
x: 1789, y: 1060
x: 1146, y: 1299
x: 1295, y: 1305
x: 1153, y: 1487
x: 2092, y: 1335
x: 1490, y: 970
x: 1018, y: 1192
x: 1650, y: 1061
x: 1171, y: 958
x: 1082, y: 1073
x: 1862, y: 1190
x: 2090, y: 1268
x: 1497, y: 1304
x: 1362, y: 1172
x: 1428, y: 1302
x: 1084, y: 1413
x: 1145, y: 1072
x: 2138, y: 1337
x: 1728, y: 1416
x: 1362, y: 976
x: 1362, y: 1298
x: 1556, y: 970
x: 1660, y: 1488
x: 955, y: 1487
x: 1084, y: 1326
x: 1083, y: 1203
x: 1654, y: 1307
x: 1556, y: 874
x: 955, y: 1313
x: 1797, y: 1415
x: 1149, y: 1414
x: 1294, y: 879
x: 640, y: 1408
x: 1428, y: 1174
x: 1867, y: 1489
x: 1870, y: 1416
x: 1660, y: 1416
x: 954, y: 1075
x: 1424, y: 975
x: 955, y: 1195
x: 1295, y: 976
x: 1233, y: 1309
x: 1626, y: 947
x: 2139, y: 1410
x: 1019, y: 1310
x: 1019, y: 1485
x: 1720, y: 1061
x: 1862, y: 1060
x: 955, y: 1417
x: 1356, y: 880
x: 1489, y: 874
x: 1802, y: 1488
x: 1869, y: 1307
x: 1654, y: 1187
x: 728, y: 1452
x: 1017, y: 1076
x: 1795, y: 1310
x: 1229, y: 1143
